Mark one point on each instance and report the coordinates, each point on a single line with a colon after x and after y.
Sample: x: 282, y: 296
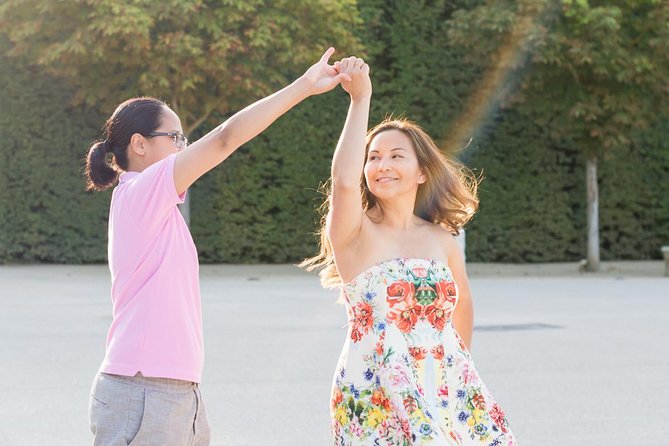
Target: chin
x: 383, y: 194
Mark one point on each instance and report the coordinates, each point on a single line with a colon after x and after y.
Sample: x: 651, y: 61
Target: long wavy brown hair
x: 448, y: 197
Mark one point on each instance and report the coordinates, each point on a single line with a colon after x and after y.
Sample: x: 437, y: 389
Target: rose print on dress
x: 405, y: 310
x: 438, y: 352
x: 362, y: 320
x: 417, y: 353
x: 439, y: 299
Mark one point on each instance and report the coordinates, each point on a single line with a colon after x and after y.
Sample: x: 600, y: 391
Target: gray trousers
x: 140, y: 411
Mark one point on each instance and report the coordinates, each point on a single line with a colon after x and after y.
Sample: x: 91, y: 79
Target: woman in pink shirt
x: 146, y: 391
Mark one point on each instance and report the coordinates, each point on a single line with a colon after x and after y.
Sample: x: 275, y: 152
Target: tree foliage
x: 592, y: 70
x: 202, y: 56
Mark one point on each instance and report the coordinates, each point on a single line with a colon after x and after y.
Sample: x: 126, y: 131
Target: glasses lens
x: 178, y: 140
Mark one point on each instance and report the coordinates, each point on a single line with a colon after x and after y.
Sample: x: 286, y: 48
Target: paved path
x: 574, y: 359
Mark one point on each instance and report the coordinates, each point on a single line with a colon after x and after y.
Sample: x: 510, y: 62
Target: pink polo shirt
x: 157, y: 318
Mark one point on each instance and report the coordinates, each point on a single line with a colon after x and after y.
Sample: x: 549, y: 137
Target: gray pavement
x: 574, y: 359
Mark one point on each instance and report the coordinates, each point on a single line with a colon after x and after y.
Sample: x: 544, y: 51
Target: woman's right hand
x: 359, y: 86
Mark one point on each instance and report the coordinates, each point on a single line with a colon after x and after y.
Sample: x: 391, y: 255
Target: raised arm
x: 345, y: 217
x: 217, y: 145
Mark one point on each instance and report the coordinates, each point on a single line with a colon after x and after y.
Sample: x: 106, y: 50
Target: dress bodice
x: 414, y: 294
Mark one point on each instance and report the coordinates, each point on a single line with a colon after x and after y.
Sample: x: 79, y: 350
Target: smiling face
x: 392, y: 167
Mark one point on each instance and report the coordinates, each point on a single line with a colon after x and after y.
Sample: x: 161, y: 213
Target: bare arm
x: 463, y: 316
x: 345, y: 217
x: 217, y: 145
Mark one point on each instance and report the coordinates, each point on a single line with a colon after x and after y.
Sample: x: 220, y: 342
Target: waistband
x: 164, y: 384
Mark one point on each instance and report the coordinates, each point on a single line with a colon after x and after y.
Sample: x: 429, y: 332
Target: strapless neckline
x: 353, y: 281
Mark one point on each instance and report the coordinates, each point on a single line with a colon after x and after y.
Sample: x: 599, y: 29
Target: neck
x: 397, y: 214
x: 136, y: 164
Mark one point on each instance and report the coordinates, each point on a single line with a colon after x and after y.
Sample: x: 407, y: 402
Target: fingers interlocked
x: 349, y: 63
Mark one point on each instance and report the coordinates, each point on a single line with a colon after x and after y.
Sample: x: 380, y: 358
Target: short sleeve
x: 151, y: 196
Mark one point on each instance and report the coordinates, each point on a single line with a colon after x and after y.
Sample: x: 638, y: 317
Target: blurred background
x: 561, y: 105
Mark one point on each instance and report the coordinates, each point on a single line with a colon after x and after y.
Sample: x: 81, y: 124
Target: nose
x: 384, y: 165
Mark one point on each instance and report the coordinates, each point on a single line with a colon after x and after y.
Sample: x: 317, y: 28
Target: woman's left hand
x: 323, y: 77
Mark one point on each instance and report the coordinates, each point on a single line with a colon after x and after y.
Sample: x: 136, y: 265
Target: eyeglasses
x: 179, y: 139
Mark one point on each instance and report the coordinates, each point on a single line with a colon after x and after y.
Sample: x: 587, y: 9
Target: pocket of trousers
x: 201, y: 430
x: 136, y: 416
x: 98, y: 405
x: 163, y: 418
x: 95, y: 406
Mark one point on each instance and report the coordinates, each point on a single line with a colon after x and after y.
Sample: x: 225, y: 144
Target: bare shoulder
x: 452, y: 248
x: 436, y: 240
x: 445, y: 237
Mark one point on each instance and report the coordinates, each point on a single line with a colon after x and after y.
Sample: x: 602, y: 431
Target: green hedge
x: 528, y: 196
x: 416, y: 73
x: 634, y: 195
x: 259, y: 206
x: 533, y: 200
x: 45, y: 214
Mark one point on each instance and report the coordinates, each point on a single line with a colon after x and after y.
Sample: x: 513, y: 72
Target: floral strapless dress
x: 404, y: 376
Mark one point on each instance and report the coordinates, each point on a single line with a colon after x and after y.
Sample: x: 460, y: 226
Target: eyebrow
x: 392, y: 150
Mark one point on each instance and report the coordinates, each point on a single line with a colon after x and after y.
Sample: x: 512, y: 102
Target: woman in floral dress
x: 405, y: 375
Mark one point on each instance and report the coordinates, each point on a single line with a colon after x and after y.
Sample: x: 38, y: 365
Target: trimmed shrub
x: 45, y: 213
x: 259, y: 206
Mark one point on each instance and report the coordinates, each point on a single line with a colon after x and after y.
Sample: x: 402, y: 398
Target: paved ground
x: 574, y: 359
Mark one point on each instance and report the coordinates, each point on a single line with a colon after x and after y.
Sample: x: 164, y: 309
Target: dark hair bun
x: 99, y: 172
